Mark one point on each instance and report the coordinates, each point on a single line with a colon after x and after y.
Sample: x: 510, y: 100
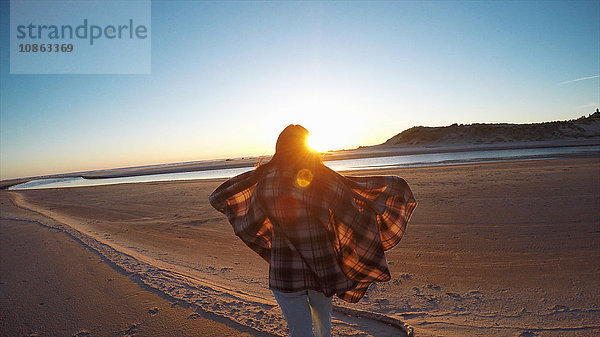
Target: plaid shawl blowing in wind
x: 327, y: 233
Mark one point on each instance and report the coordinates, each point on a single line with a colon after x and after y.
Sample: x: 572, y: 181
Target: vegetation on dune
x: 583, y: 127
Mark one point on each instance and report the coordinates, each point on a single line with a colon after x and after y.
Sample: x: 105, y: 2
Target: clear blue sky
x: 227, y: 77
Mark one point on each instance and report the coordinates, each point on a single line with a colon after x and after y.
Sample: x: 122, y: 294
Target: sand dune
x: 481, y: 133
x: 503, y: 249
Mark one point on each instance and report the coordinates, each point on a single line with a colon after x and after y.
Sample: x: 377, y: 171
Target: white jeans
x: 304, y: 309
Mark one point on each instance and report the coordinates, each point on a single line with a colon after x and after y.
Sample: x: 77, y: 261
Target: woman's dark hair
x: 292, y: 151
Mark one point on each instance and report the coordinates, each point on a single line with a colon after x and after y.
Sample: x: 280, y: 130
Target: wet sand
x: 498, y: 249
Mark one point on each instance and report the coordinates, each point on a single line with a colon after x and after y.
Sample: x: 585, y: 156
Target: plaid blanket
x: 318, y: 229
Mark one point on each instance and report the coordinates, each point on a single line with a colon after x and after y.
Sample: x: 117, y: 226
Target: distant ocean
x: 411, y: 160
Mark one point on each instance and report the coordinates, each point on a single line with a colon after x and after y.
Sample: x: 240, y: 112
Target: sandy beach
x: 118, y: 120
x: 496, y: 249
x: 52, y: 285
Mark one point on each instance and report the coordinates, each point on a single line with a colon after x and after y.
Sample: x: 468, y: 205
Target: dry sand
x: 500, y: 249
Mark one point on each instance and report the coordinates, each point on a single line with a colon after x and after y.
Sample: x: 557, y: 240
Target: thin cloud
x: 590, y: 105
x: 579, y: 79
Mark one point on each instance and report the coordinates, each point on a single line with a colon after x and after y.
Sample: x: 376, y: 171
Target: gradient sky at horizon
x: 228, y: 77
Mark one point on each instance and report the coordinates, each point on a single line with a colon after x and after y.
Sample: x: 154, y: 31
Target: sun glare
x: 319, y: 144
x: 328, y: 140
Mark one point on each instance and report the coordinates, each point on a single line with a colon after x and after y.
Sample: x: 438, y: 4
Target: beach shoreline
x: 381, y: 150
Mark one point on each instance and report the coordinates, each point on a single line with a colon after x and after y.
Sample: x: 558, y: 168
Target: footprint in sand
x: 381, y: 302
x: 193, y: 316
x: 560, y: 308
x: 527, y: 334
x: 153, y: 311
x: 434, y: 287
x: 406, y: 276
x: 82, y: 333
x: 455, y: 296
x: 130, y: 331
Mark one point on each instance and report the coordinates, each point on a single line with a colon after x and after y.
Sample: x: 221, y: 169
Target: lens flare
x: 304, y: 177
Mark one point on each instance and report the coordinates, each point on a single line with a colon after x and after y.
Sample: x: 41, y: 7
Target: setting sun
x: 324, y: 137
x: 319, y: 143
